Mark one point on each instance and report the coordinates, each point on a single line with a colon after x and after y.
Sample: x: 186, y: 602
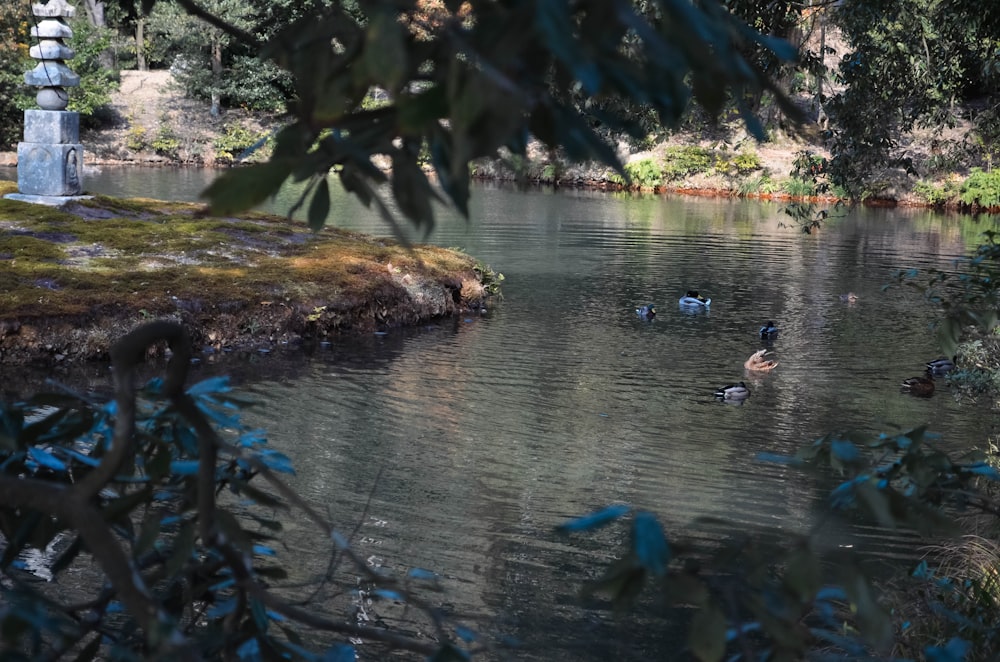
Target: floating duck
x: 647, y: 312
x: 733, y: 392
x: 919, y: 386
x: 692, y: 298
x: 769, y: 331
x: 850, y: 297
x: 758, y: 363
x: 941, y: 366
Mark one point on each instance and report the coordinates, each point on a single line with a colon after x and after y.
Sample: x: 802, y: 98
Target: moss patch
x: 78, y: 276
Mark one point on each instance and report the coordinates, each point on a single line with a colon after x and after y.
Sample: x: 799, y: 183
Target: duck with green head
x: 733, y: 392
x: 646, y: 312
x: 692, y: 298
x: 941, y: 366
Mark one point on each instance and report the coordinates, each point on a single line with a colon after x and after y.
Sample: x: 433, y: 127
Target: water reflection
x: 459, y: 446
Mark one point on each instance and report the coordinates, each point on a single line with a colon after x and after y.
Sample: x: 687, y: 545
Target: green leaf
x: 877, y: 504
x: 89, y: 652
x: 319, y: 208
x: 803, y: 574
x: 260, y: 497
x: 385, y: 54
x: 182, y: 550
x: 17, y: 540
x: 707, y: 638
x: 412, y: 191
x: 873, y: 620
x: 148, y: 533
x: 949, y: 333
x: 622, y: 581
x: 67, y: 556
x: 240, y: 189
x: 234, y: 532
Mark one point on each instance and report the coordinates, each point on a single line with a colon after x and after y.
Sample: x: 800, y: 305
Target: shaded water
x: 459, y: 446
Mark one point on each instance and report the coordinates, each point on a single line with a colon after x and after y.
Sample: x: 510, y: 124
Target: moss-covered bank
x: 75, y: 278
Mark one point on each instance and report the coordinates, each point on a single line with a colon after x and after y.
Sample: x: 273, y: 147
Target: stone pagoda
x: 50, y: 159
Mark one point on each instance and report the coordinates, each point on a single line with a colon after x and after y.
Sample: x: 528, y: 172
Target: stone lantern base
x: 50, y: 158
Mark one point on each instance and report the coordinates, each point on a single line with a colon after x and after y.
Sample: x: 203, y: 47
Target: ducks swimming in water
x: 850, y: 297
x: 922, y: 387
x: 757, y: 362
x: 769, y: 331
x: 941, y: 366
x: 692, y: 298
x: 733, y: 392
x: 646, y: 312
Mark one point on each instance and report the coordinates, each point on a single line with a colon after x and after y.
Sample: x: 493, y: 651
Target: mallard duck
x: 920, y: 386
x: 692, y: 298
x: 758, y: 363
x: 769, y: 331
x: 941, y: 366
x: 646, y: 312
x: 850, y: 297
x: 733, y: 392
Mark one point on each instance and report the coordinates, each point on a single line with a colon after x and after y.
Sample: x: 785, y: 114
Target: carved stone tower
x: 50, y: 159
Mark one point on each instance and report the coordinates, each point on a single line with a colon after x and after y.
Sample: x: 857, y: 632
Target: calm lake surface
x: 457, y: 447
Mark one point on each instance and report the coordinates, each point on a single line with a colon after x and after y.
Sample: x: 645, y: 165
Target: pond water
x: 458, y: 446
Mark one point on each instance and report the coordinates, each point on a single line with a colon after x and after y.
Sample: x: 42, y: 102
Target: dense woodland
x: 439, y: 85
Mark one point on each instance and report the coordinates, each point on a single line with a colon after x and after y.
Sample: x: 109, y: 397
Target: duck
x: 758, y: 363
x: 850, y: 297
x: 646, y: 312
x: 733, y: 392
x: 692, y: 298
x: 769, y: 331
x: 941, y: 366
x: 919, y: 386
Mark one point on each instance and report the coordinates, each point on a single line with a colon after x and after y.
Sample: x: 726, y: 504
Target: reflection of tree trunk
x: 140, y: 43
x: 216, y: 76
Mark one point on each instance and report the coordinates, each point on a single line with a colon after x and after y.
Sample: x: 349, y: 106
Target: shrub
x: 681, y: 162
x: 934, y: 194
x: 234, y: 140
x: 981, y: 189
x: 645, y: 173
x: 135, y: 139
x: 166, y: 142
x: 760, y: 184
x: 796, y: 187
x: 92, y: 97
x: 742, y: 163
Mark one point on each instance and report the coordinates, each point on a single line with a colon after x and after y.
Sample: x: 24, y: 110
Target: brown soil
x: 149, y: 105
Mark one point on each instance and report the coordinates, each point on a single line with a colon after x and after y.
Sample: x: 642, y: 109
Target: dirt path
x: 154, y: 123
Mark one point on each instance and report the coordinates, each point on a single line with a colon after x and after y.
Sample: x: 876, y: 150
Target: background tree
x: 466, y: 79
x: 14, y: 62
x: 919, y: 63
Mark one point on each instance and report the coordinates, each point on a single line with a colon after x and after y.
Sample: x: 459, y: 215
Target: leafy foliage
x: 92, y: 96
x: 158, y: 490
x: 912, y: 62
x: 981, y: 189
x: 465, y: 79
x: 969, y: 298
x: 15, y: 95
x: 236, y: 139
x: 165, y: 142
x: 752, y: 602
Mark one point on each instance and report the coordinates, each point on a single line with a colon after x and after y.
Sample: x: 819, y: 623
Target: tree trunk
x: 140, y: 43
x: 95, y: 13
x: 216, y: 76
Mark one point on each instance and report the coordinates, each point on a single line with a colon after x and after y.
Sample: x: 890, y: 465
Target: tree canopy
x: 463, y: 80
